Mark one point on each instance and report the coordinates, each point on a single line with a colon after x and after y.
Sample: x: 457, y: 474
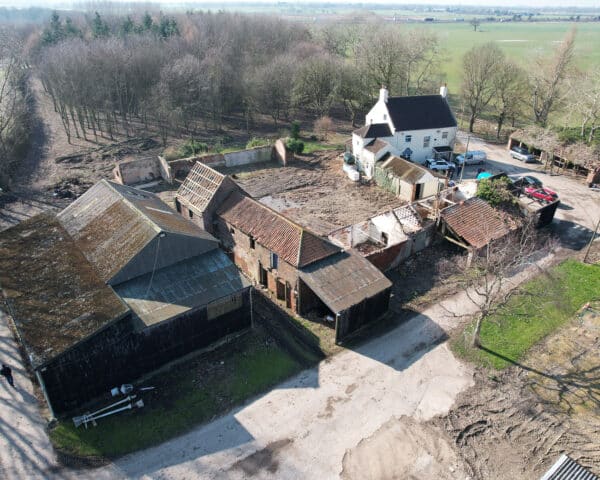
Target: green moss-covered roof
x: 54, y: 294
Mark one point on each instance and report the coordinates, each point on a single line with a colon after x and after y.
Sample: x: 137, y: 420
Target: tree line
x: 497, y: 86
x: 14, y: 105
x: 108, y: 75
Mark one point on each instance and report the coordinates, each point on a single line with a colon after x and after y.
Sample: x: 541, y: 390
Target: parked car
x: 522, y: 154
x: 542, y: 195
x: 475, y: 157
x: 525, y: 180
x: 439, y: 165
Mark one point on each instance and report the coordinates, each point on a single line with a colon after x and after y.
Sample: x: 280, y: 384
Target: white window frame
x: 426, y: 141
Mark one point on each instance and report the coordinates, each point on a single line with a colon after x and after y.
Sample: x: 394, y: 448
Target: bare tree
x: 354, y: 91
x: 509, y: 86
x: 585, y: 103
x: 486, y: 279
x: 479, y: 67
x: 475, y: 23
x: 323, y: 126
x: 547, y: 79
x: 316, y: 84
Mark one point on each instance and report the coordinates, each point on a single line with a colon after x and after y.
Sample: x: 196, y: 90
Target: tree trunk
x: 475, y: 342
x: 500, y: 123
x: 471, y: 123
x: 592, y: 133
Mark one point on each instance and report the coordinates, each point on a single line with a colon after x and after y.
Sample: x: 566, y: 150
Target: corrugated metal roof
x: 199, y: 186
x: 477, y: 222
x: 407, y: 171
x: 112, y: 223
x: 290, y: 241
x: 55, y: 295
x: 566, y: 468
x: 182, y: 287
x: 344, y: 280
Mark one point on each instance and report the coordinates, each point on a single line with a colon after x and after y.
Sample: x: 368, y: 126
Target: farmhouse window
x: 191, y: 214
x: 408, y: 138
x: 252, y: 243
x: 426, y: 141
x: 274, y: 260
x: 444, y: 135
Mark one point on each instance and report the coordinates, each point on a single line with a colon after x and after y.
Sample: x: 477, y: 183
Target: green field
x: 520, y: 41
x: 542, y: 305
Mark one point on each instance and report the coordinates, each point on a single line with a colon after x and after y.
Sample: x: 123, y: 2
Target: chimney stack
x: 444, y: 90
x: 383, y: 94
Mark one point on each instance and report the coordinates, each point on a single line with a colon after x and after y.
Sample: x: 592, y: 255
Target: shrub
x: 295, y: 145
x: 323, y: 126
x: 192, y: 147
x: 258, y: 142
x: 295, y: 130
x: 496, y: 192
x: 171, y: 153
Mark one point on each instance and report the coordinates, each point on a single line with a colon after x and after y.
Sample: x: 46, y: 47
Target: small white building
x: 414, y: 127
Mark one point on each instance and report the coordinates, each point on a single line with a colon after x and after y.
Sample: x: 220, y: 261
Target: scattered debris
x: 70, y: 187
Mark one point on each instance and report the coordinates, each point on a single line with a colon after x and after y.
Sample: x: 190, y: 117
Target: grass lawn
x: 315, y: 146
x: 545, y: 304
x: 191, y: 393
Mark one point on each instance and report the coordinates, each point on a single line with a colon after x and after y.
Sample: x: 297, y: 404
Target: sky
x: 504, y: 3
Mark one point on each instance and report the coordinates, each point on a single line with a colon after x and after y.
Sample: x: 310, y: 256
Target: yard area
x: 190, y: 393
x: 313, y: 191
x: 540, y: 307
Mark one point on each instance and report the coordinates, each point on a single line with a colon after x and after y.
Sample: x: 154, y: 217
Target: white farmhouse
x: 415, y: 127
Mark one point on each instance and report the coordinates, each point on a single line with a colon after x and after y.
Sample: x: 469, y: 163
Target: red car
x: 542, y: 195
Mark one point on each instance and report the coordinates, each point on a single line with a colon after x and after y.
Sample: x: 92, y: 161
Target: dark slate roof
x: 293, y: 243
x: 344, y: 280
x: 199, y: 186
x: 375, y: 130
x: 407, y: 171
x: 182, y: 287
x: 477, y: 222
x: 112, y: 223
x: 54, y: 294
x: 420, y: 112
x: 566, y: 468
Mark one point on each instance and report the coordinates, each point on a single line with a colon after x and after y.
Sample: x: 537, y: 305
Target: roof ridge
x: 133, y: 207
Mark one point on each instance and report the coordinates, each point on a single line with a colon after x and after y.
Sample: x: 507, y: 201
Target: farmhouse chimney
x: 444, y: 90
x: 383, y: 94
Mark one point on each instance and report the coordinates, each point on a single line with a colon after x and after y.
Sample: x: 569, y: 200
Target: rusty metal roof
x: 476, y: 222
x: 199, y: 186
x: 111, y: 224
x: 182, y: 287
x: 344, y: 280
x: 54, y: 294
x: 293, y: 243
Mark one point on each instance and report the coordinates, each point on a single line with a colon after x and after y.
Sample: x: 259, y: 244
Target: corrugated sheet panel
x: 407, y: 171
x: 566, y: 468
x: 181, y: 287
x: 112, y: 223
x: 344, y: 280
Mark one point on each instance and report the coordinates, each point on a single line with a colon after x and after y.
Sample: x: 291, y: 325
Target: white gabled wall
x: 421, y: 153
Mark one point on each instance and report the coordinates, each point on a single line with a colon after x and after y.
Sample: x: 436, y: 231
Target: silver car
x: 522, y: 154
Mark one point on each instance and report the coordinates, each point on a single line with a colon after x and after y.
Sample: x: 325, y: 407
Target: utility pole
x: 464, y: 164
x: 589, y: 247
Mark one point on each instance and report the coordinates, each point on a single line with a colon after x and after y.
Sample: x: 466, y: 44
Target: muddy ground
x: 314, y: 191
